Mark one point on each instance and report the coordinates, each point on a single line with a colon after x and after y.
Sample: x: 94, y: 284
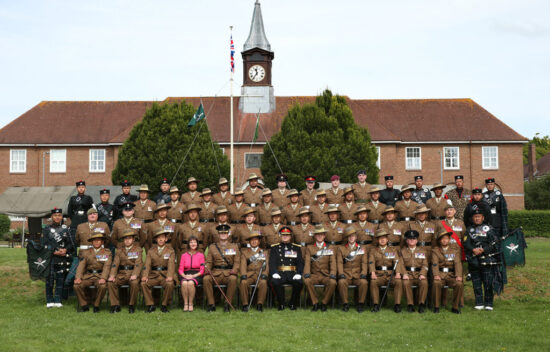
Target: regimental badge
x: 513, y: 247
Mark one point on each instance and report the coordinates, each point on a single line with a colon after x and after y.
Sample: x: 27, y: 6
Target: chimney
x: 532, y: 161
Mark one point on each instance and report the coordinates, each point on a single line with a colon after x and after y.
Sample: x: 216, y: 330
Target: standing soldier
x: 286, y: 266
x: 222, y: 218
x: 499, y: 209
x: 271, y: 231
x: 192, y: 227
x: 208, y: 208
x: 415, y: 271
x: 58, y: 239
x: 364, y: 229
x: 437, y: 203
x: 361, y: 187
x: 320, y: 269
x: 85, y: 230
x: 144, y: 209
x: 303, y: 232
x: 128, y: 222
x: 318, y: 210
x: 309, y: 194
x: 192, y: 195
x: 352, y: 263
x: 394, y: 230
x: 160, y: 268
x: 382, y: 260
x: 93, y: 270
x: 236, y: 208
x: 406, y: 206
x: 280, y: 195
x: 420, y: 194
x: 335, y: 195
x: 175, y: 213
x: 477, y: 203
x: 447, y: 270
x: 348, y: 207
x: 265, y: 208
x: 252, y: 192
x: 456, y: 227
x: 105, y: 210
x: 389, y: 195
x: 242, y: 231
x: 375, y: 206
x: 125, y: 270
x: 164, y: 194
x: 335, y: 229
x: 459, y: 196
x: 223, y: 197
x: 291, y: 210
x: 425, y: 229
x: 125, y: 197
x: 254, y: 260
x: 78, y: 206
x: 222, y: 262
x: 161, y: 222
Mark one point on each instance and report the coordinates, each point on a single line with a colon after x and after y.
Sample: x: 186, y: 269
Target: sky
x: 496, y: 52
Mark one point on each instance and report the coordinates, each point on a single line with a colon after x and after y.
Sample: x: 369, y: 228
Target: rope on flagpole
x: 272, y: 152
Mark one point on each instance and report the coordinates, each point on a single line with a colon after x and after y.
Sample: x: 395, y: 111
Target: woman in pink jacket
x: 191, y: 271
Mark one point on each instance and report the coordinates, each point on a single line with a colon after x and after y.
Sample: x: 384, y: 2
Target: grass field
x: 520, y: 322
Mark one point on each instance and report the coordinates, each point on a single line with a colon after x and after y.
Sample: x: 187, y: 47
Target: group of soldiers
x: 359, y: 236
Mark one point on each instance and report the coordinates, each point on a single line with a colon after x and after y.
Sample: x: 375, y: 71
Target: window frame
x: 52, y: 160
x: 483, y: 165
x: 419, y: 159
x: 90, y: 160
x: 245, y: 156
x: 379, y: 160
x: 17, y: 171
x: 457, y: 158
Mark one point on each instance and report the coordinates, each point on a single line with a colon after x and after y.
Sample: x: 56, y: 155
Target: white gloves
x: 297, y: 277
x: 276, y: 276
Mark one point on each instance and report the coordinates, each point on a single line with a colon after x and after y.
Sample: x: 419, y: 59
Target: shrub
x: 535, y: 223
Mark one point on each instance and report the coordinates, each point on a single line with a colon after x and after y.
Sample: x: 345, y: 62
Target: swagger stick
x: 218, y: 285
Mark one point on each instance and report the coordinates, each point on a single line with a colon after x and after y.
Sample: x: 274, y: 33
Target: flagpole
x: 232, y: 171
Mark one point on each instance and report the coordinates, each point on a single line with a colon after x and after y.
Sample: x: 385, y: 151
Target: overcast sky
x: 495, y: 52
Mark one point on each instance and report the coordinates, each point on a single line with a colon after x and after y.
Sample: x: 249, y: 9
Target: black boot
x: 260, y: 307
x: 436, y: 310
x: 117, y: 309
x: 164, y: 309
x: 360, y: 308
x: 281, y: 307
x: 226, y: 308
x: 131, y: 309
x: 410, y: 308
x: 456, y: 311
x: 397, y: 308
x: 96, y: 309
x: 345, y: 307
x: 150, y: 309
x: 85, y: 309
x: 292, y: 307
x: 315, y: 307
x: 245, y: 308
x: 421, y: 308
x: 211, y: 308
x: 113, y: 309
x: 376, y: 308
x: 323, y: 307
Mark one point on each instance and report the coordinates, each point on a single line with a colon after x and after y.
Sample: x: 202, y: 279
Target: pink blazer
x: 191, y: 262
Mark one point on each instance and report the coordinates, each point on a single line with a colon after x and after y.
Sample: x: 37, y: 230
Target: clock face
x: 256, y: 73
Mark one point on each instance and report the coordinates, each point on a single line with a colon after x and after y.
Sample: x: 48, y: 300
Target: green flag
x: 256, y: 130
x: 197, y: 117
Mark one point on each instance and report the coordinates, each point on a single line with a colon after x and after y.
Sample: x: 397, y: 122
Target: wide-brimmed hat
x: 348, y: 190
x: 128, y: 233
x: 253, y: 235
x: 292, y: 192
x: 160, y: 231
x: 388, y: 209
x: 275, y: 211
x: 321, y: 192
x: 192, y: 206
x: 443, y: 233
x: 191, y: 179
x: 360, y: 209
x: 174, y: 189
x: 221, y: 209
x: 144, y: 188
x: 350, y: 230
x: 374, y: 189
x: 97, y: 235
x: 332, y: 209
x: 303, y: 211
x: 248, y: 210
x: 222, y: 181
x: 266, y: 192
x: 92, y: 210
x: 407, y: 188
x: 422, y: 209
x: 437, y: 186
x: 252, y: 176
x: 161, y: 206
x: 319, y: 229
x: 380, y: 233
x: 206, y: 191
x: 238, y: 192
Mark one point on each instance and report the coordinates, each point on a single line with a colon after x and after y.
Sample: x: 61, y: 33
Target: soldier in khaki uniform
x: 265, y: 208
x: 236, y: 208
x: 271, y: 232
x: 175, y: 212
x: 192, y: 195
x: 144, y: 209
x: 348, y: 207
x: 291, y: 210
x: 406, y: 206
x: 447, y: 270
x: 125, y: 270
x: 352, y: 263
x: 93, y: 270
x: 361, y: 187
x: 223, y: 197
x: 85, y: 230
x: 242, y: 231
x: 304, y: 231
x: 223, y: 262
x: 335, y: 194
x: 382, y: 260
x: 128, y: 222
x: 335, y: 229
x: 394, y: 229
x: 162, y: 221
x: 208, y: 208
x: 159, y: 270
x: 365, y: 229
x: 308, y: 196
x: 437, y: 203
x: 318, y: 210
x: 222, y: 218
x: 320, y: 269
x: 414, y: 271
x: 191, y: 227
x: 459, y: 196
x: 280, y: 195
x: 451, y: 224
x: 375, y: 206
x: 252, y: 192
x: 425, y: 229
x: 253, y: 260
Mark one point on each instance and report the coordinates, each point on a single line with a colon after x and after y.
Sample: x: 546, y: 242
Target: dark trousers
x: 54, y: 286
x: 483, y: 276
x: 280, y: 290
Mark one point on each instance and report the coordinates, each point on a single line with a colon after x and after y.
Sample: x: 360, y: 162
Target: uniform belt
x: 447, y: 270
x: 187, y: 242
x: 394, y: 244
x: 423, y: 243
x: 333, y: 242
x: 365, y: 242
x: 237, y: 222
x: 207, y: 220
x: 222, y: 267
x: 83, y: 247
x: 374, y: 221
x: 245, y: 245
x: 412, y: 268
x: 252, y: 205
x: 95, y: 271
x: 439, y: 217
x: 263, y: 224
x: 286, y: 268
x: 293, y: 223
x: 148, y: 221
x: 406, y: 218
x: 159, y: 268
x: 125, y: 267
x: 384, y: 268
x: 176, y: 221
x: 348, y: 221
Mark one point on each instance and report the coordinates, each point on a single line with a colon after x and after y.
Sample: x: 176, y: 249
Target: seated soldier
x: 128, y: 222
x: 86, y: 229
x: 425, y: 229
x: 222, y: 263
x: 320, y: 269
x: 160, y: 268
x: 125, y: 271
x: 222, y: 218
x: 382, y: 261
x: 93, y: 270
x: 161, y: 221
x: 352, y: 263
x: 447, y: 270
x: 414, y: 271
x: 253, y: 260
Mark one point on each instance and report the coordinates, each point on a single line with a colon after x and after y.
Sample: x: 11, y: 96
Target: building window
x: 252, y: 160
x: 489, y: 157
x: 413, y: 158
x: 18, y: 160
x: 378, y: 159
x: 58, y: 160
x: 97, y: 160
x: 451, y: 158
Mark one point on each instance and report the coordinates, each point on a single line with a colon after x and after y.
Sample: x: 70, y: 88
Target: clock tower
x: 257, y: 92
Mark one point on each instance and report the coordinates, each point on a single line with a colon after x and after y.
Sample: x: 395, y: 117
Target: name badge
x: 135, y: 226
x: 166, y: 256
x: 291, y: 254
x: 450, y: 257
x: 389, y: 255
x: 132, y: 255
x: 149, y: 209
x: 229, y: 251
x: 429, y: 230
x: 169, y: 228
x: 101, y: 258
x: 397, y: 232
x: 457, y: 228
x: 420, y: 255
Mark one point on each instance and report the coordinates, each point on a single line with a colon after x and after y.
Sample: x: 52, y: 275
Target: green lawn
x: 520, y: 322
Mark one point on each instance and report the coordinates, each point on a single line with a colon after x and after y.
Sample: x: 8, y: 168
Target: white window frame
x: 55, y: 169
x: 378, y: 162
x: 246, y: 154
x: 17, y: 170
x: 419, y: 159
x: 483, y: 157
x: 457, y: 167
x: 96, y: 169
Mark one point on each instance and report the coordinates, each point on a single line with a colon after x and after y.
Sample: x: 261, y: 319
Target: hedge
x: 4, y: 224
x: 535, y: 223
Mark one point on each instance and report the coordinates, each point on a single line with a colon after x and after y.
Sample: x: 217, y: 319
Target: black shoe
x: 113, y: 309
x: 117, y: 309
x: 456, y: 311
x: 410, y: 308
x: 345, y: 307
x: 292, y: 307
x: 96, y: 309
x: 360, y: 308
x: 436, y: 310
x: 376, y: 308
x: 397, y: 308
x: 85, y: 309
x: 211, y: 308
x: 150, y: 309
x: 469, y: 277
x: 226, y: 308
x: 421, y: 308
x: 245, y: 308
x: 131, y: 309
x: 164, y: 309
x: 260, y: 308
x: 323, y: 307
x: 281, y: 307
x: 315, y: 307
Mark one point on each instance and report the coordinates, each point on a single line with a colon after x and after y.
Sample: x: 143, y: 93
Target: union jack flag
x: 232, y: 48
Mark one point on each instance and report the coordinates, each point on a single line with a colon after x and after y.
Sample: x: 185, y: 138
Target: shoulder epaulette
x: 297, y: 245
x: 276, y: 244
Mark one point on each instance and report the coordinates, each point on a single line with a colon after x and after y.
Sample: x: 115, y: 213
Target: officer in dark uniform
x: 499, y: 209
x: 105, y: 209
x: 420, y: 194
x: 286, y: 266
x: 57, y: 238
x: 477, y: 203
x: 164, y: 194
x: 78, y: 207
x: 389, y: 195
x: 125, y: 197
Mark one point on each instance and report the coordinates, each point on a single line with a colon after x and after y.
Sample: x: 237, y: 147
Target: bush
x: 5, y: 223
x: 537, y: 193
x: 535, y: 223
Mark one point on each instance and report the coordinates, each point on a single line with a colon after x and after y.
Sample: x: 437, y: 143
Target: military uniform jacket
x: 191, y: 197
x: 252, y: 197
x: 482, y: 236
x: 320, y: 260
x: 443, y: 260
x: 290, y: 214
x: 471, y: 207
x: 119, y: 201
x: 264, y: 213
x: 415, y: 262
x: 144, y: 210
x: 85, y: 230
x: 160, y: 263
x: 437, y: 207
x: 426, y: 233
x: 406, y: 209
x: 223, y: 198
x: 375, y: 211
x: 395, y: 232
x: 285, y: 254
x: 352, y: 261
x: 78, y: 206
x: 153, y: 227
x: 271, y: 234
x: 207, y: 211
x: 308, y: 198
x: 303, y: 235
x: 236, y: 211
x: 318, y: 215
x: 94, y: 264
x: 499, y: 210
x: 175, y: 213
x: 335, y: 196
x: 365, y: 232
x: 389, y: 196
x: 242, y: 231
x: 186, y: 230
x: 361, y: 192
x: 125, y: 259
x: 459, y: 202
x: 105, y: 212
x: 347, y: 212
x: 225, y: 261
x: 252, y: 261
x: 280, y: 199
x: 162, y: 198
x: 58, y: 237
x: 457, y: 226
x: 421, y: 195
x: 212, y: 233
x: 335, y: 231
x: 137, y: 225
x: 382, y: 260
